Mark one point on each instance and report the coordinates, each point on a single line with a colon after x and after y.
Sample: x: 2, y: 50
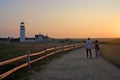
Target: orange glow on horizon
x: 61, y: 18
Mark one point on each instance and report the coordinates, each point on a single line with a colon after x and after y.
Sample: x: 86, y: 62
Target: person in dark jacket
x: 97, y: 48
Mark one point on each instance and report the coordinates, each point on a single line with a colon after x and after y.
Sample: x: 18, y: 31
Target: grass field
x: 111, y: 51
x: 14, y: 49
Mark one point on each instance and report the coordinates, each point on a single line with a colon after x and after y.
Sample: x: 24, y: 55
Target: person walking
x: 97, y: 48
x: 88, y: 46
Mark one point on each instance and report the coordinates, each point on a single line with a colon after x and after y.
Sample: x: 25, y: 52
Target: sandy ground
x: 75, y: 66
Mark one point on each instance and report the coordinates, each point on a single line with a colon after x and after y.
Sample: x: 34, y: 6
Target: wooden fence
x: 45, y: 53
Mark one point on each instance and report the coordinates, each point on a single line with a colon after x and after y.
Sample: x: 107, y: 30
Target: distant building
x: 46, y: 39
x: 37, y: 38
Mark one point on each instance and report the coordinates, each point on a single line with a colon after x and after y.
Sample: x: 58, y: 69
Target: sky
x: 61, y: 18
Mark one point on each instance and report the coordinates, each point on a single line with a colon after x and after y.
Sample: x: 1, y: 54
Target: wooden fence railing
x: 49, y: 51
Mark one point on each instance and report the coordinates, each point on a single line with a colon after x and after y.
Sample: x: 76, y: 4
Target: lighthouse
x: 22, y: 32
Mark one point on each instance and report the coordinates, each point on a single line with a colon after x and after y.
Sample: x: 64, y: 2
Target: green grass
x: 24, y: 74
x: 11, y: 50
x: 15, y: 49
x: 111, y: 51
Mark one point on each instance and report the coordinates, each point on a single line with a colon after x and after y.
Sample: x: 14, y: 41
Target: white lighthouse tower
x: 22, y: 32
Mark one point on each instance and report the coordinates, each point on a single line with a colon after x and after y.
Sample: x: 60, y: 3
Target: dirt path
x: 75, y: 66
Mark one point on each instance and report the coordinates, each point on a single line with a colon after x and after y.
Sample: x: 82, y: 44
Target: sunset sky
x: 61, y: 18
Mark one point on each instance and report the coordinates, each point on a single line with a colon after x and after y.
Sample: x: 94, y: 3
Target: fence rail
x: 53, y: 50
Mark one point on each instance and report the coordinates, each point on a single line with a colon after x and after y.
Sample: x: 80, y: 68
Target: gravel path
x: 75, y: 66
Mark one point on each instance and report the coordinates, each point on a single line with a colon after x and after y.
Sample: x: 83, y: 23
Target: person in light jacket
x: 88, y: 46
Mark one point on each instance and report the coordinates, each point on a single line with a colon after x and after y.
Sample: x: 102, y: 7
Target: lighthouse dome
x: 22, y: 22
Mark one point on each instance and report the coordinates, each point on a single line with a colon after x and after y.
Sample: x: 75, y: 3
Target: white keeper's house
x: 37, y: 38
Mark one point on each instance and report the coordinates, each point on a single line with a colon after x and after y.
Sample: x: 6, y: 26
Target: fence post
x: 62, y: 47
x: 77, y: 45
x: 45, y: 53
x: 0, y: 77
x: 55, y: 48
x: 28, y: 57
x: 73, y: 45
x: 69, y: 46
